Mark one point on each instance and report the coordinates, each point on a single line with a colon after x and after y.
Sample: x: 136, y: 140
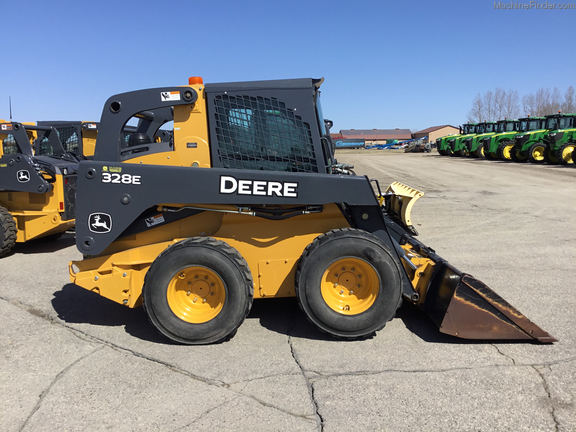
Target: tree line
x: 500, y: 104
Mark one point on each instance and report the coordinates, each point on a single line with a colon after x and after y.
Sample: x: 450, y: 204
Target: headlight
x: 553, y: 134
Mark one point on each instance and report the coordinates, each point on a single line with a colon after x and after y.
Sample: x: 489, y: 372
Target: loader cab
x: 259, y: 125
x: 77, y: 137
x: 269, y: 125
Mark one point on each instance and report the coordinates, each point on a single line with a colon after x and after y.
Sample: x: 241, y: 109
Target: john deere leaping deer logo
x: 100, y: 223
x: 23, y: 176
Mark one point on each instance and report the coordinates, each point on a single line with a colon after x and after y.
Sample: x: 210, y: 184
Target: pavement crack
x: 547, y: 390
x: 208, y: 411
x: 104, y: 343
x: 504, y: 354
x: 57, y: 378
x: 309, y: 384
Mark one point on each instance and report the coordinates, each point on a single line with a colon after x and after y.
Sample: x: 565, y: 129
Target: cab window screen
x: 69, y: 138
x: 260, y: 133
x: 9, y: 145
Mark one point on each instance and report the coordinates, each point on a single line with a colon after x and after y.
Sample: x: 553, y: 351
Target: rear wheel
x: 565, y: 152
x: 8, y: 231
x: 505, y: 151
x: 491, y: 156
x: 537, y: 153
x: 198, y: 291
x: 348, y: 283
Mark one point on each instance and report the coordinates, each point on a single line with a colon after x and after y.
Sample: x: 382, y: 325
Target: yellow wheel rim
x: 482, y: 151
x: 350, y: 286
x: 538, y: 153
x: 196, y: 294
x: 567, y: 154
x: 507, y: 151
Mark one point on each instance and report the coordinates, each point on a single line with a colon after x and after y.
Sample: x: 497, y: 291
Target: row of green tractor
x: 549, y: 139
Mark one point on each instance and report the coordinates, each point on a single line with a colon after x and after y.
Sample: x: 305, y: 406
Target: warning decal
x: 154, y: 220
x: 6, y: 127
x: 170, y: 96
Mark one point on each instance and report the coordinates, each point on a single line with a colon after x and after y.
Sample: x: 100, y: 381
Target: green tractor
x: 505, y: 131
x: 474, y: 145
x: 532, y: 142
x: 456, y: 143
x: 561, y: 138
x: 442, y: 143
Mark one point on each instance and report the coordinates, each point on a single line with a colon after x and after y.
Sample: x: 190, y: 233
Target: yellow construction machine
x: 37, y: 184
x: 244, y: 201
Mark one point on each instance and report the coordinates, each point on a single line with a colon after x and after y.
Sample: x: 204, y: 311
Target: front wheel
x: 565, y: 153
x: 517, y: 155
x: 198, y: 291
x: 8, y: 231
x: 550, y: 156
x: 479, y: 152
x: 505, y: 151
x: 459, y: 153
x: 348, y: 283
x: 537, y: 153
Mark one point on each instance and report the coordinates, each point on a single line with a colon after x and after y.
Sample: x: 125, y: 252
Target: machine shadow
x: 45, y: 245
x: 284, y: 316
x: 75, y: 305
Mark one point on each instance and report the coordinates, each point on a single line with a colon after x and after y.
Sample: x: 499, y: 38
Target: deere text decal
x: 232, y: 185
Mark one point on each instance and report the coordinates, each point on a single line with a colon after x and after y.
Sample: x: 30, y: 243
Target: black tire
x: 378, y: 298
x: 537, y: 153
x: 187, y: 271
x: 459, y: 153
x: 550, y: 156
x: 517, y: 155
x: 491, y: 156
x: 565, y: 153
x: 505, y: 151
x: 478, y: 153
x: 8, y: 232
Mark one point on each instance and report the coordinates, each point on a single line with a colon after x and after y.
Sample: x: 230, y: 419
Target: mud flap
x: 465, y: 307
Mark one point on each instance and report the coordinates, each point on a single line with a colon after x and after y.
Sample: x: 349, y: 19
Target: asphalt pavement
x: 73, y: 361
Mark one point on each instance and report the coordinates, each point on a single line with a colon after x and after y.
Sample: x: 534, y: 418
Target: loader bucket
x: 461, y: 305
x: 465, y: 307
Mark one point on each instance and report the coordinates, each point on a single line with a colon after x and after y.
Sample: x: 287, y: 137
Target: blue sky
x: 401, y: 64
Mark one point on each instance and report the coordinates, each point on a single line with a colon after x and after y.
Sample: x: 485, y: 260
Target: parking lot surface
x: 71, y: 360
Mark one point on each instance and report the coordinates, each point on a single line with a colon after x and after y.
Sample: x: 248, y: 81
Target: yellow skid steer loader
x: 244, y: 201
x: 37, y: 184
